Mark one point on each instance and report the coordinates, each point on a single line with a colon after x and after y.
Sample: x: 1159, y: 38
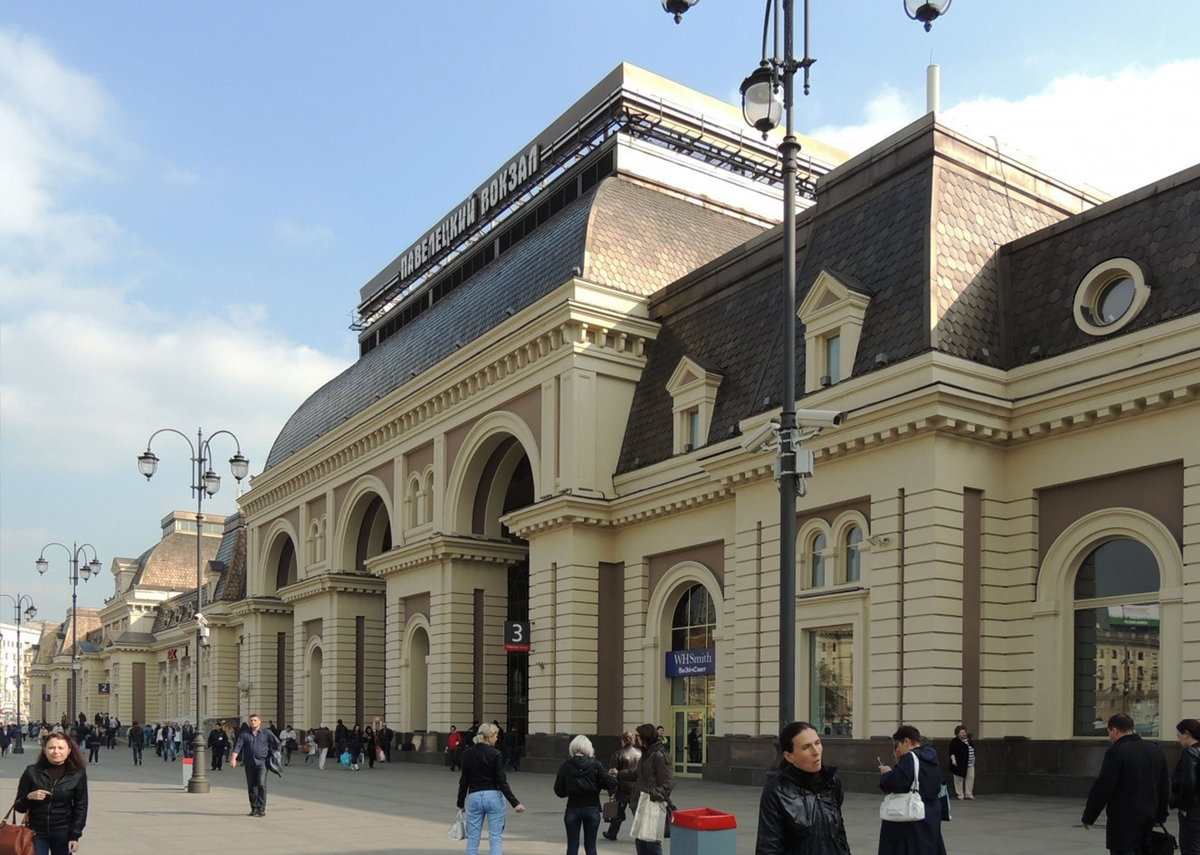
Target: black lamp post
x: 29, y: 613
x: 205, y: 482
x: 86, y: 570
x: 767, y: 95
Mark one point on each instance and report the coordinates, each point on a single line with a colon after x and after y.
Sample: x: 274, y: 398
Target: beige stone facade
x: 1005, y: 531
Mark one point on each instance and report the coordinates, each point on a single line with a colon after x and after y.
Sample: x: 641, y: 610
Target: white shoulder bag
x: 458, y: 828
x: 906, y: 806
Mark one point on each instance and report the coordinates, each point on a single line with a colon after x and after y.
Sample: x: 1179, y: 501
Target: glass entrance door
x: 691, y: 727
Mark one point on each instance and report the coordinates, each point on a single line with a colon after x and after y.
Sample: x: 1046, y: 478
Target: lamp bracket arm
x: 186, y: 439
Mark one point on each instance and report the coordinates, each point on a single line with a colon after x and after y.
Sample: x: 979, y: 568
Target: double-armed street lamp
x: 205, y: 482
x: 29, y: 613
x: 81, y: 568
x: 767, y: 96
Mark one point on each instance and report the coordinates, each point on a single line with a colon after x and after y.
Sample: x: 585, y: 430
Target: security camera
x: 820, y: 418
x: 762, y: 438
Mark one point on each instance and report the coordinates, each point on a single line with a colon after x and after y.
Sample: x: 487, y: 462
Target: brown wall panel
x: 610, y: 649
x: 711, y: 555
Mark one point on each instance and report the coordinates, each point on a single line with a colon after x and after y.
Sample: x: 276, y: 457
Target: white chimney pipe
x: 933, y: 88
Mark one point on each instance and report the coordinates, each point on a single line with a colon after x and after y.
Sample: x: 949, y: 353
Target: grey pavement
x: 406, y: 808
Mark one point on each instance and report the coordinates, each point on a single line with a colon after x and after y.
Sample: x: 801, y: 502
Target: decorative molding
x: 441, y: 547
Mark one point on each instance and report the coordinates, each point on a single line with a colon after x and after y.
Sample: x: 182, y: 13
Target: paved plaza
x: 406, y: 808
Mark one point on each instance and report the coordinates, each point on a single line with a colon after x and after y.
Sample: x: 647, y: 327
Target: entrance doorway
x: 315, y: 682
x: 690, y: 729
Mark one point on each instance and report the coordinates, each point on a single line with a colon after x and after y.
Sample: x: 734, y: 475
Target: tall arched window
x: 854, y: 539
x: 817, y: 561
x: 693, y: 696
x: 1117, y: 633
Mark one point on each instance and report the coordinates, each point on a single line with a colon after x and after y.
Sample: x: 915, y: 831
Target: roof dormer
x: 832, y: 313
x: 693, y: 390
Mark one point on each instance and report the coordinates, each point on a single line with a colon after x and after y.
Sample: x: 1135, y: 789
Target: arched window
x: 1117, y: 612
x: 694, y: 689
x: 854, y: 539
x: 817, y: 561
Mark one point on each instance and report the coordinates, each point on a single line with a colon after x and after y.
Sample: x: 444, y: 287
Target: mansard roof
x: 622, y: 234
x: 171, y: 563
x: 957, y: 253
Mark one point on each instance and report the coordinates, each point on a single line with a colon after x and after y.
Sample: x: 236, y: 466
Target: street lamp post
x: 29, y: 613
x: 763, y: 104
x: 86, y: 570
x: 205, y: 482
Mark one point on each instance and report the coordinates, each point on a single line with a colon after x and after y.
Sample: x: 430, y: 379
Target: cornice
x: 578, y: 318
x: 326, y: 583
x: 442, y: 547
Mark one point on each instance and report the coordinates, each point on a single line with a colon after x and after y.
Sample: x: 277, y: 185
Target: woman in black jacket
x: 580, y: 780
x: 913, y: 758
x: 1185, y: 794
x: 962, y: 763
x: 53, y: 791
x: 801, y: 809
x: 482, y: 789
x: 654, y: 779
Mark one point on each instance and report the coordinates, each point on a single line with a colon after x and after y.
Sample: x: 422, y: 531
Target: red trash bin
x: 703, y: 831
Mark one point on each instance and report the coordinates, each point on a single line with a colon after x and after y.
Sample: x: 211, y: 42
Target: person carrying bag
x: 15, y: 839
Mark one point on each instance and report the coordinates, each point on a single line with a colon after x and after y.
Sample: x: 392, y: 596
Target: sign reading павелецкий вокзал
x: 691, y: 663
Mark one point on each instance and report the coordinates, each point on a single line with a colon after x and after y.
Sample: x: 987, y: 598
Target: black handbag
x: 612, y: 809
x: 1162, y: 842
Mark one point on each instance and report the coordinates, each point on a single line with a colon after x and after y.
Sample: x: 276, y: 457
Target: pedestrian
x: 137, y: 741
x: 311, y: 751
x: 1132, y: 788
x: 186, y: 735
x: 801, y: 808
x: 53, y: 793
x: 340, y: 733
x: 324, y: 738
x: 370, y: 747
x: 651, y: 793
x: 1185, y: 795
x: 386, y: 736
x: 482, y: 788
x: 95, y: 741
x: 624, y: 759
x: 962, y: 763
x: 354, y: 747
x: 287, y: 736
x: 168, y: 742
x: 218, y: 746
x: 913, y: 759
x: 254, y: 746
x: 454, y: 749
x: 580, y: 781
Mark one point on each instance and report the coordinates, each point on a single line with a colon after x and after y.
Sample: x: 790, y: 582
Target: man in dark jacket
x: 1133, y: 786
x: 218, y: 746
x: 801, y: 808
x: 255, y: 746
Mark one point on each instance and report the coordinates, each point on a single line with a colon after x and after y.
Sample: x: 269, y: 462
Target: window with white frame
x: 832, y: 313
x: 693, y: 390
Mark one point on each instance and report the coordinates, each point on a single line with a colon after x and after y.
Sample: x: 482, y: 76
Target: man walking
x: 254, y: 747
x: 324, y: 739
x: 218, y: 744
x: 1133, y: 788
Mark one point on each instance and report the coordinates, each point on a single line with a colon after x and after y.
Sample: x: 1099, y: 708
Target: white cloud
x: 93, y: 354
x: 301, y: 236
x: 1115, y: 132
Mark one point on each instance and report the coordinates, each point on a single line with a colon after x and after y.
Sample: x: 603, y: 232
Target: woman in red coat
x: 454, y: 749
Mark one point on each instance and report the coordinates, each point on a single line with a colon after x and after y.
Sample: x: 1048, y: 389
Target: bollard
x: 186, y: 765
x: 703, y: 831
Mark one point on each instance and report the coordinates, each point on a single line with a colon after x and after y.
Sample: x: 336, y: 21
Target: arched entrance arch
x: 416, y: 684
x: 280, y: 565
x: 498, y: 446
x: 316, y: 676
x: 1059, y: 619
x: 365, y: 526
x: 685, y: 615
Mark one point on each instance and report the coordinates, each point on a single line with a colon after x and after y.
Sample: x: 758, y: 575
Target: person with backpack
x: 580, y: 781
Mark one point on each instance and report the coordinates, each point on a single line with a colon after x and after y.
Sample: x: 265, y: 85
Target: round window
x: 1115, y: 299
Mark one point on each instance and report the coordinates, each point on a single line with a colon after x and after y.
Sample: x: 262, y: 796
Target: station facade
x: 549, y: 424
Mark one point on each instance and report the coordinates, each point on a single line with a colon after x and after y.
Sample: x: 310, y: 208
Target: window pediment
x: 693, y: 390
x: 832, y: 313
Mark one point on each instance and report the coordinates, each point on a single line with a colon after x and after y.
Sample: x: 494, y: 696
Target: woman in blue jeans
x: 580, y: 780
x: 482, y: 789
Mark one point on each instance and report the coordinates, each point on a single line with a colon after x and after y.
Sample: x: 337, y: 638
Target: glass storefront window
x: 693, y: 698
x: 1123, y: 633
x: 831, y: 680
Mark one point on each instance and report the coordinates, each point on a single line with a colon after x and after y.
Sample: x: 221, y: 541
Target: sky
x: 191, y: 194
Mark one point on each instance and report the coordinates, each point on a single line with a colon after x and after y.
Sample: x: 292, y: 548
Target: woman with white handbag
x: 651, y: 793
x: 911, y: 812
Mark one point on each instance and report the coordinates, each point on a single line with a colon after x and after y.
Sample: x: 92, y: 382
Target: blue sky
x: 192, y: 194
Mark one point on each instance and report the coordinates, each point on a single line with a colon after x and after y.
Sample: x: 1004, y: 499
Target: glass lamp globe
x: 762, y: 100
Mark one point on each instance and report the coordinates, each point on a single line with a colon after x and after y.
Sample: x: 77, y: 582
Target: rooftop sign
x: 475, y: 207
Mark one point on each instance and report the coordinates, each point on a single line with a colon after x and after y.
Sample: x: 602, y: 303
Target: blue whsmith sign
x: 691, y: 663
